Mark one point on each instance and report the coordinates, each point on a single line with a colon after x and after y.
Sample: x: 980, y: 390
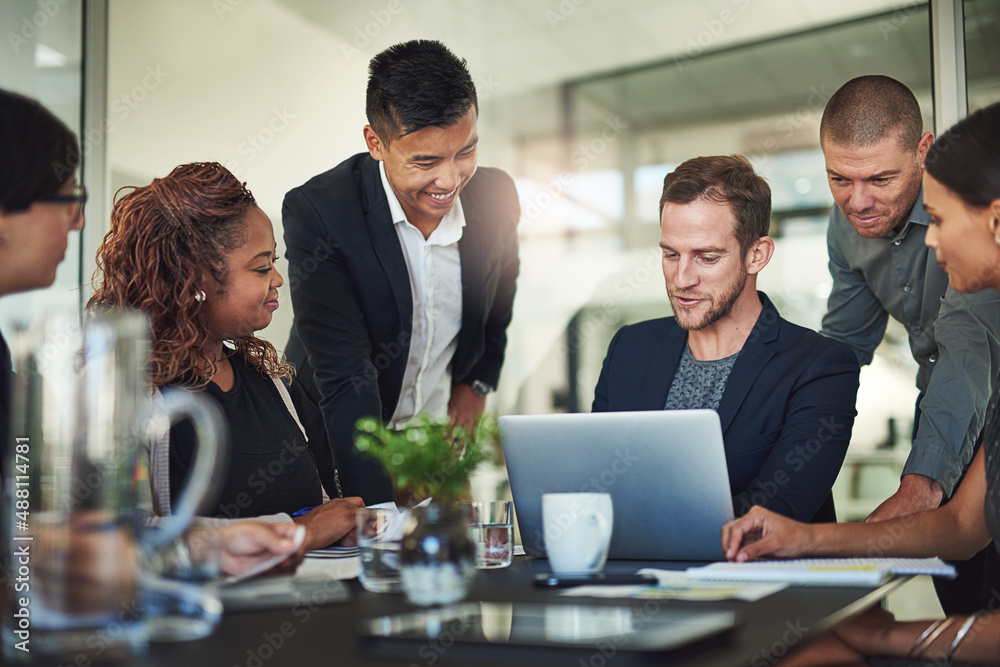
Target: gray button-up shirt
x: 953, y: 337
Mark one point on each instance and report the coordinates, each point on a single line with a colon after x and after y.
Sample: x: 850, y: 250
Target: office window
x: 43, y: 59
x: 982, y: 52
x: 762, y: 99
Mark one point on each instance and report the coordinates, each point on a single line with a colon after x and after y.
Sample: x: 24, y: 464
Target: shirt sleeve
x: 953, y: 406
x: 800, y: 469
x: 854, y: 314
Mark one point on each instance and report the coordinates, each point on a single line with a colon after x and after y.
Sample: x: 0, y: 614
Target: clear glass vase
x: 438, y: 558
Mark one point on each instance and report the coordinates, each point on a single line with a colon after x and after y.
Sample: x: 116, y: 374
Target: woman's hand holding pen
x: 333, y: 521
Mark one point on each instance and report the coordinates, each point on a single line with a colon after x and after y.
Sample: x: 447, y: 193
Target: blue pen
x: 304, y: 510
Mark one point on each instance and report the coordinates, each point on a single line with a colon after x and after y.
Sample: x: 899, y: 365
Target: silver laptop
x: 665, y: 470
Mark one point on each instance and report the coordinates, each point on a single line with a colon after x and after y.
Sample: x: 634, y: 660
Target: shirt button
x: 907, y: 288
x: 917, y: 331
x: 932, y: 358
x: 897, y: 241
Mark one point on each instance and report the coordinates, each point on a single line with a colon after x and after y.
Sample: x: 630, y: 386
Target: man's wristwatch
x: 480, y: 388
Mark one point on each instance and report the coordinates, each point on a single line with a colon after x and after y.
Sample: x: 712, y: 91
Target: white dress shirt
x: 435, y: 270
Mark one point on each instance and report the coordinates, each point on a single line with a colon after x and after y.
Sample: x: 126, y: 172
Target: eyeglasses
x: 78, y: 197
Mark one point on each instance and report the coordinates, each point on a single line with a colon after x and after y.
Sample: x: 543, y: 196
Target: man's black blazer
x: 787, y: 410
x: 353, y: 302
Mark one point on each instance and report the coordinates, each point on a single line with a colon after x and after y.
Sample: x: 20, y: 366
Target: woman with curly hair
x: 195, y: 253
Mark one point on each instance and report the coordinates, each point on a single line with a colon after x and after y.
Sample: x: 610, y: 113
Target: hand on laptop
x: 761, y: 532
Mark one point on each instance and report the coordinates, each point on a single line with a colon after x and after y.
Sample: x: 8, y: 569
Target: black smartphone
x: 550, y: 580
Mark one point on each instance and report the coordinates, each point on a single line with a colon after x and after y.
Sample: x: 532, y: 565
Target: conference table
x: 327, y: 634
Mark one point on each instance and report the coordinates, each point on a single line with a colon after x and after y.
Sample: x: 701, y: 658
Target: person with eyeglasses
x: 40, y: 204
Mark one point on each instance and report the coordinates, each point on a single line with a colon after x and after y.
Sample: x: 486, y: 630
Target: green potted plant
x: 432, y: 460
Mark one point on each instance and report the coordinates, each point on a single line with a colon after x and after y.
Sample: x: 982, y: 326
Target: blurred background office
x: 587, y: 103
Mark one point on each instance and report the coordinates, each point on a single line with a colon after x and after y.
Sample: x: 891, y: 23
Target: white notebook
x: 823, y: 571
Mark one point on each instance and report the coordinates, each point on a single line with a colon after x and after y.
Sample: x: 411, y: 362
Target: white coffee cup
x: 577, y: 530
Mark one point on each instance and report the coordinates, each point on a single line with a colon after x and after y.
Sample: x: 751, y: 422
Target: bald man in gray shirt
x: 874, y: 146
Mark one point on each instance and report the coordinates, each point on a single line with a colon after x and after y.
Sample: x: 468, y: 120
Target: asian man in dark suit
x: 785, y: 394
x: 403, y: 262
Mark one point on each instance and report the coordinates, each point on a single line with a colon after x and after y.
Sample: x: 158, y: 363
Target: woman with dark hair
x: 40, y: 204
x: 195, y: 253
x: 962, y: 194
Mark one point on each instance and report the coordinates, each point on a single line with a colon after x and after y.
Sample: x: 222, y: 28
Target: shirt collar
x: 918, y: 216
x: 448, y: 232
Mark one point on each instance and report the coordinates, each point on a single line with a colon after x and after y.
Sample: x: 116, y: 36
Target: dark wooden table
x: 326, y: 634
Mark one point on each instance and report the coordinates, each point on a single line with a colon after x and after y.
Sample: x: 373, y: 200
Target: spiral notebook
x: 824, y: 571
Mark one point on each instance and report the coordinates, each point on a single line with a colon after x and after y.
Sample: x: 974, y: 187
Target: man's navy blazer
x: 787, y: 410
x: 354, y: 306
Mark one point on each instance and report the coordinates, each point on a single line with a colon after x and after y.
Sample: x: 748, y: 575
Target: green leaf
x: 428, y: 458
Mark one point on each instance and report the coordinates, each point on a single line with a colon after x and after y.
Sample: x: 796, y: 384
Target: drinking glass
x: 73, y: 524
x: 491, y: 528
x: 380, y: 533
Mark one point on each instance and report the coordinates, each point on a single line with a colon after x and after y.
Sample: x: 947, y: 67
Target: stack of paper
x: 823, y: 571
x: 676, y: 585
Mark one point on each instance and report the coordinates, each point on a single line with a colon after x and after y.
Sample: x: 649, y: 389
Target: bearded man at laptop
x: 785, y: 395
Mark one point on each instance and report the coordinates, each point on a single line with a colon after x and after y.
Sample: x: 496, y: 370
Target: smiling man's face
x: 427, y: 169
x: 875, y: 186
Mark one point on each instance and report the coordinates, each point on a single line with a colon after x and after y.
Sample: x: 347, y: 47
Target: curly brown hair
x: 163, y: 236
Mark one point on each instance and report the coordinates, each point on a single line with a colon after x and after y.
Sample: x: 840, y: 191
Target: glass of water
x: 491, y: 528
x: 380, y: 533
x: 179, y: 600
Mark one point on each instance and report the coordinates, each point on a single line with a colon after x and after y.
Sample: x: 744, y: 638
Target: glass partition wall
x: 42, y: 57
x: 591, y: 179
x: 615, y: 136
x: 982, y: 52
x: 589, y: 151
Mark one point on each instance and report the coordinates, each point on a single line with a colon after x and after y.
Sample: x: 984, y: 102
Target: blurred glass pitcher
x: 77, y: 528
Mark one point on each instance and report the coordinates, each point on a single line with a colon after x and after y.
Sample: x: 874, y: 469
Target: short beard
x: 720, y: 310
